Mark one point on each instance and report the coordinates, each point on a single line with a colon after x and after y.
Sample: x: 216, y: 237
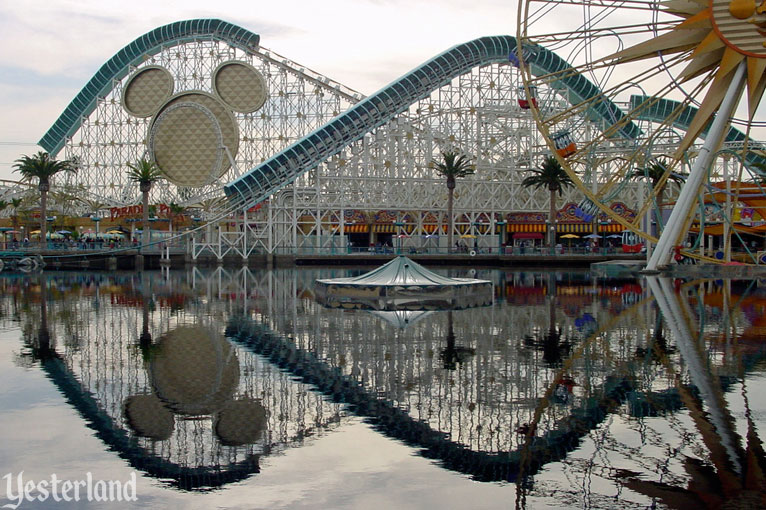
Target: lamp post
x: 604, y: 227
x: 399, y: 226
x: 551, y: 233
x: 500, y: 235
x: 152, y: 219
x: 476, y: 231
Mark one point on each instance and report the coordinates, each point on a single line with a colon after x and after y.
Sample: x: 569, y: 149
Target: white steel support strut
x: 699, y: 371
x: 686, y: 198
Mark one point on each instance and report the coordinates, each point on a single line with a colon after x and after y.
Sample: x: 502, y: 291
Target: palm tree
x: 145, y: 173
x: 452, y: 167
x: 654, y: 173
x: 42, y: 167
x: 552, y: 177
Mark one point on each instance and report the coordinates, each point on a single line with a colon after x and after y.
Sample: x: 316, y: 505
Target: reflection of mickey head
x: 191, y: 131
x: 195, y: 372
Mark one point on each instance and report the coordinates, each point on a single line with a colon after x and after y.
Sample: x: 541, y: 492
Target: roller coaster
x: 269, y: 156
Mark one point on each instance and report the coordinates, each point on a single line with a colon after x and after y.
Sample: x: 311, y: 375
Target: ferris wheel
x: 667, y: 94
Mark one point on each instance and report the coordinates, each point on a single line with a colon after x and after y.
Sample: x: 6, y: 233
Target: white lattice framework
x: 96, y: 320
x: 390, y: 169
x: 110, y: 138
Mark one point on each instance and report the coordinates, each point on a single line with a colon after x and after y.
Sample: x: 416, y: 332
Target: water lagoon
x: 236, y: 389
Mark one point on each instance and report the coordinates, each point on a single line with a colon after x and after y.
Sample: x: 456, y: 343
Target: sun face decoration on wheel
x: 193, y: 135
x: 720, y: 34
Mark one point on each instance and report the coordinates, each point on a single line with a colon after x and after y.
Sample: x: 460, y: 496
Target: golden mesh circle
x: 240, y: 86
x: 184, y: 140
x: 146, y: 90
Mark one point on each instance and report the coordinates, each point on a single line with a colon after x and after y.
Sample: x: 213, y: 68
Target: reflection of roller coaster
x: 201, y: 448
x: 495, y: 414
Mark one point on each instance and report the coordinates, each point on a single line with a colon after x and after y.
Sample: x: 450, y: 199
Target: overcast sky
x: 49, y: 49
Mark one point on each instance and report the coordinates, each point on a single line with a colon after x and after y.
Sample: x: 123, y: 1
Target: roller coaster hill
x: 264, y: 156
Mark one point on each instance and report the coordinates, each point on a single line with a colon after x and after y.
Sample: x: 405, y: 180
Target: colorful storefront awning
x: 564, y: 228
x: 525, y: 227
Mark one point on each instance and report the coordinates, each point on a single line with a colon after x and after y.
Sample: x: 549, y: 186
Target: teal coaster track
x: 660, y: 110
x: 382, y: 106
x: 549, y: 446
x: 350, y: 126
x: 132, y: 55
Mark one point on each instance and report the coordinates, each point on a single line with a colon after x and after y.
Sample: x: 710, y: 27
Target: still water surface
x: 236, y: 389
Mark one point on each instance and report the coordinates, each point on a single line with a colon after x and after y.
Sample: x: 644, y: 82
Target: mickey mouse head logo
x: 193, y: 135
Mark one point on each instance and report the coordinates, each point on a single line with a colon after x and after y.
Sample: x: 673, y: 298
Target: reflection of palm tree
x: 659, y: 346
x: 44, y: 349
x: 452, y: 354
x: 550, y: 344
x: 145, y: 338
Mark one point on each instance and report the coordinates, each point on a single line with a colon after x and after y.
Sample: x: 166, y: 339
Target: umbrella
x: 468, y: 236
x: 616, y: 236
x: 569, y: 238
x: 50, y: 235
x: 63, y: 232
x: 114, y: 231
x: 593, y: 236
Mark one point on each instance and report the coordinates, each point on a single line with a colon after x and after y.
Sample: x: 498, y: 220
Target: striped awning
x: 525, y: 227
x: 357, y: 228
x: 384, y: 229
x: 430, y: 229
x: 574, y: 228
x: 564, y: 228
x: 388, y: 228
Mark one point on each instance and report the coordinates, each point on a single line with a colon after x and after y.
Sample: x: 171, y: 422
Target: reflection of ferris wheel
x: 640, y: 84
